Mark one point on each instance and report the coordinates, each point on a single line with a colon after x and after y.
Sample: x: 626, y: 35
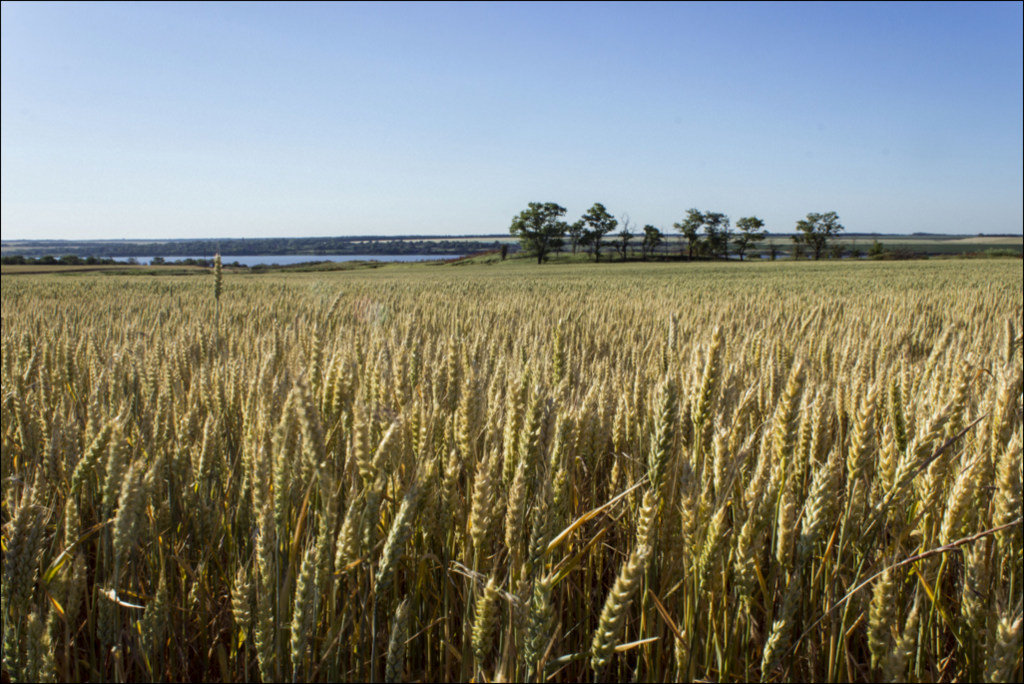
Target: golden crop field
x: 735, y: 472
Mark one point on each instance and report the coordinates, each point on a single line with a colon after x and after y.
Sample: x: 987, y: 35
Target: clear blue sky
x: 229, y: 120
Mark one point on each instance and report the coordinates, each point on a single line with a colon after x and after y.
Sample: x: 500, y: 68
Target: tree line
x: 708, y: 234
x: 75, y: 260
x: 312, y: 246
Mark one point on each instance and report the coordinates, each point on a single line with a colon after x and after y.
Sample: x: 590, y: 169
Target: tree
x: 816, y: 230
x: 690, y: 228
x: 652, y: 238
x: 751, y: 232
x: 600, y: 223
x: 539, y: 229
x: 624, y: 235
x: 716, y: 228
x: 876, y: 251
x: 575, y: 231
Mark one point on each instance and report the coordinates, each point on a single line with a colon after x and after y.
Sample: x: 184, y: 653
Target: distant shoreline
x: 285, y: 247
x: 917, y: 244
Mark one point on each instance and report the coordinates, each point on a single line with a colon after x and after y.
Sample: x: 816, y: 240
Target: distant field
x: 914, y: 245
x: 987, y: 240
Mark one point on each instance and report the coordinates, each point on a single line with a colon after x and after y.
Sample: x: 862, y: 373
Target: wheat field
x: 728, y: 472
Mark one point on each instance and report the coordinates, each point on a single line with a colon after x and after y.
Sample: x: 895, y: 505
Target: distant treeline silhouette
x: 708, y: 234
x: 249, y: 246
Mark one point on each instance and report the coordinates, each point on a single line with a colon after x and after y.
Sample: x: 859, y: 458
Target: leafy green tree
x: 690, y: 228
x: 624, y: 235
x: 876, y: 251
x: 816, y: 230
x: 751, y: 231
x: 716, y: 229
x: 652, y: 238
x: 575, y: 231
x: 539, y: 229
x: 599, y: 223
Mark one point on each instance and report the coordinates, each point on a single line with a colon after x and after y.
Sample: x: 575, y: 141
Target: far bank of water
x: 288, y: 259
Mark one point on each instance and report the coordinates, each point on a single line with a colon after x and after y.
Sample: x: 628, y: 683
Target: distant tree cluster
x: 50, y: 260
x: 75, y: 260
x: 708, y: 234
x: 246, y: 246
x: 191, y: 261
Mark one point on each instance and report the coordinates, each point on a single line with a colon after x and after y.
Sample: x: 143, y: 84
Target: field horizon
x: 672, y: 243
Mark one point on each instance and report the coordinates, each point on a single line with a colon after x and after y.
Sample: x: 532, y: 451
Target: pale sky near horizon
x: 168, y: 120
